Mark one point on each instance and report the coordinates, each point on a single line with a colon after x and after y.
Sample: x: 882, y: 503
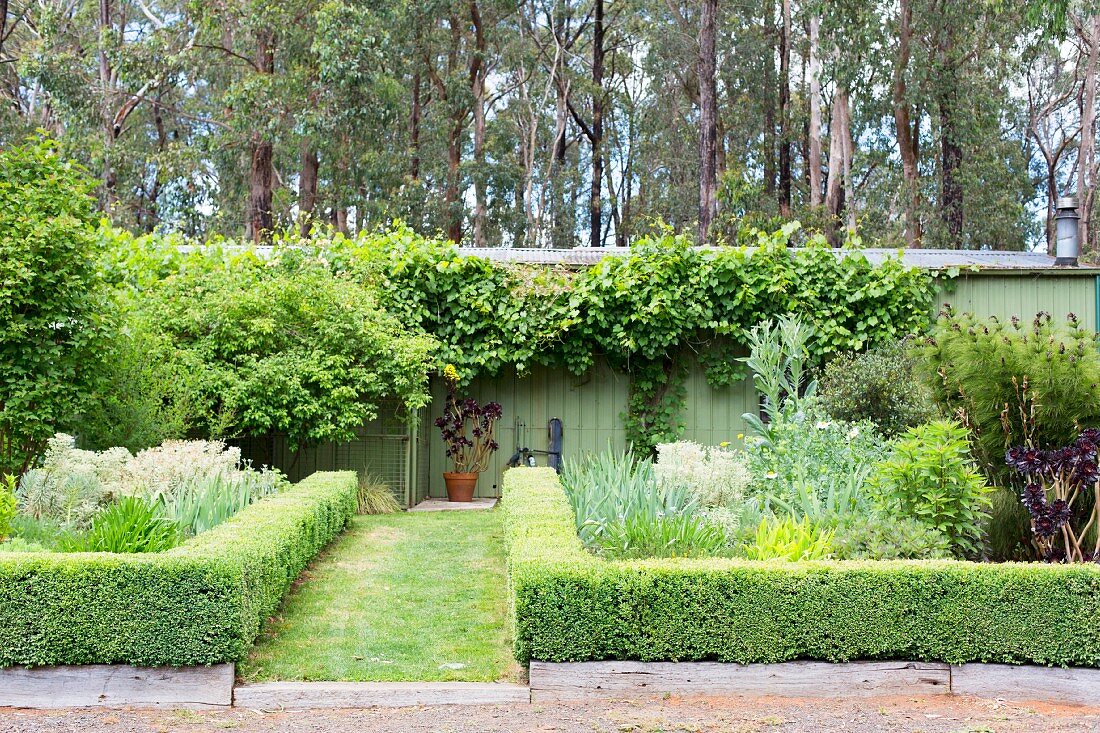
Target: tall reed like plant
x: 621, y: 510
x: 202, y: 502
x: 779, y: 358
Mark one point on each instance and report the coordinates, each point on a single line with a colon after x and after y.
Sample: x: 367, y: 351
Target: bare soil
x: 667, y: 715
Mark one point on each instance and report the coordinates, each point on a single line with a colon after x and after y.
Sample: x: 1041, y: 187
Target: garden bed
x: 201, y: 603
x: 571, y: 606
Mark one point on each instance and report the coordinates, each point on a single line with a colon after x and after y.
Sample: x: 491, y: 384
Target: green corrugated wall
x: 591, y: 406
x: 1023, y: 295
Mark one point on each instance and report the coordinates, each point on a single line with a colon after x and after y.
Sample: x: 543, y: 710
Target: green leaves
x: 645, y: 312
x: 53, y: 308
x: 931, y: 477
x: 289, y: 348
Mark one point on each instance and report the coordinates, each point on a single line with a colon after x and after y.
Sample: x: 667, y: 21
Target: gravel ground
x: 731, y: 715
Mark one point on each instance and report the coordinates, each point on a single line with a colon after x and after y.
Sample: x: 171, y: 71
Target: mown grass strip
x: 403, y: 597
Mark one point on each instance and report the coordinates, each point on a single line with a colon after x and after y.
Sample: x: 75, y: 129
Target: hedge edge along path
x: 570, y: 606
x: 198, y: 604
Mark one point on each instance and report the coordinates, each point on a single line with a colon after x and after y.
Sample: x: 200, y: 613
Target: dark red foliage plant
x: 1063, y: 497
x: 467, y: 427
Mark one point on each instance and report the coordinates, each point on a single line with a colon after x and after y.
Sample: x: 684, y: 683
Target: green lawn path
x: 401, y: 597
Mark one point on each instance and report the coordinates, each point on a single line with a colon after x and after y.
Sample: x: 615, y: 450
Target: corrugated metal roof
x: 930, y: 259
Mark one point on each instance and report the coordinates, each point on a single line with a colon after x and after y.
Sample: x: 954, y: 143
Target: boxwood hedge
x: 569, y: 605
x: 200, y: 603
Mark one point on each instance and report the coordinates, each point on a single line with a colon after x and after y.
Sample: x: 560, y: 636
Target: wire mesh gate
x: 387, y: 448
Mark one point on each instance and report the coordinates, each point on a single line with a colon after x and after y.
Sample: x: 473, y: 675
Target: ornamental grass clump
x: 1062, y: 497
x: 622, y: 511
x: 467, y: 427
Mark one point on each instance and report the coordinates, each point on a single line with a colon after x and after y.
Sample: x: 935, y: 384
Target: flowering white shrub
x: 715, y: 475
x: 73, y: 484
x: 162, y: 471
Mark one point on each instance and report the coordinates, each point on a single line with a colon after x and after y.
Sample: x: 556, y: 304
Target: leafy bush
x: 1031, y: 383
x: 72, y: 484
x: 287, y: 347
x: 162, y: 472
x: 145, y: 398
x: 7, y: 504
x: 375, y: 496
x: 930, y: 477
x: 203, y: 602
x: 53, y: 314
x: 878, y: 386
x: 571, y: 606
x: 130, y: 525
x: 200, y: 483
x: 788, y: 539
x: 18, y: 544
x: 620, y: 509
x: 713, y: 475
x: 810, y: 449
x: 878, y: 536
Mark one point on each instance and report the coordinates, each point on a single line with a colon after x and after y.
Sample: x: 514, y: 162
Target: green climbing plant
x: 647, y: 313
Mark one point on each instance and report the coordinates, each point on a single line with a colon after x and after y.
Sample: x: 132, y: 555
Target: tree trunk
x: 152, y: 214
x: 414, y: 129
x: 307, y: 187
x: 769, y: 99
x: 785, y: 111
x: 951, y: 193
x: 451, y: 201
x: 598, y: 51
x: 708, y: 126
x: 906, y: 129
x: 262, y: 169
x: 839, y: 133
x: 106, y: 81
x: 1087, y: 146
x: 478, y: 71
x: 814, y: 157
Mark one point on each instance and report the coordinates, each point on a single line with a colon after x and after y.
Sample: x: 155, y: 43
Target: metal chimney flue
x: 1067, y: 247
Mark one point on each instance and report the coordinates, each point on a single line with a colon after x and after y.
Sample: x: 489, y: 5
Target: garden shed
x: 410, y: 457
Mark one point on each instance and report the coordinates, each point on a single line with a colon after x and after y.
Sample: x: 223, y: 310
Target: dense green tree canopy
x: 562, y: 122
x: 53, y: 304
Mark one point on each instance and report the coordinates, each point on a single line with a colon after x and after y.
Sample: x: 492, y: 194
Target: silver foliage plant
x: 197, y: 483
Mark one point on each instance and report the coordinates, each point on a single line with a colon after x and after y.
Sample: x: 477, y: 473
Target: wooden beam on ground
x: 304, y: 695
x: 1027, y: 683
x: 582, y: 680
x: 116, y: 685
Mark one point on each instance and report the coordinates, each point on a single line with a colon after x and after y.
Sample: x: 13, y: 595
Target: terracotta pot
x: 460, y: 486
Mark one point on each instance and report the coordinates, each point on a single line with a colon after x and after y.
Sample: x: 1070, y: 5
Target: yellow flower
x: 724, y: 444
x: 450, y: 373
x: 740, y: 436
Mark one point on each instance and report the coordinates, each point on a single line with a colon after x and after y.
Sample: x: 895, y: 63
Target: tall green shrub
x: 877, y: 385
x: 930, y: 477
x: 287, y: 348
x: 53, y: 313
x: 1031, y: 382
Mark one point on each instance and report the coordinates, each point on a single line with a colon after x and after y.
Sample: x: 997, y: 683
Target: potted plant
x: 467, y: 429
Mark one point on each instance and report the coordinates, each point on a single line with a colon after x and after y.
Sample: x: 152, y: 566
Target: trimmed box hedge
x: 570, y: 606
x: 200, y: 603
